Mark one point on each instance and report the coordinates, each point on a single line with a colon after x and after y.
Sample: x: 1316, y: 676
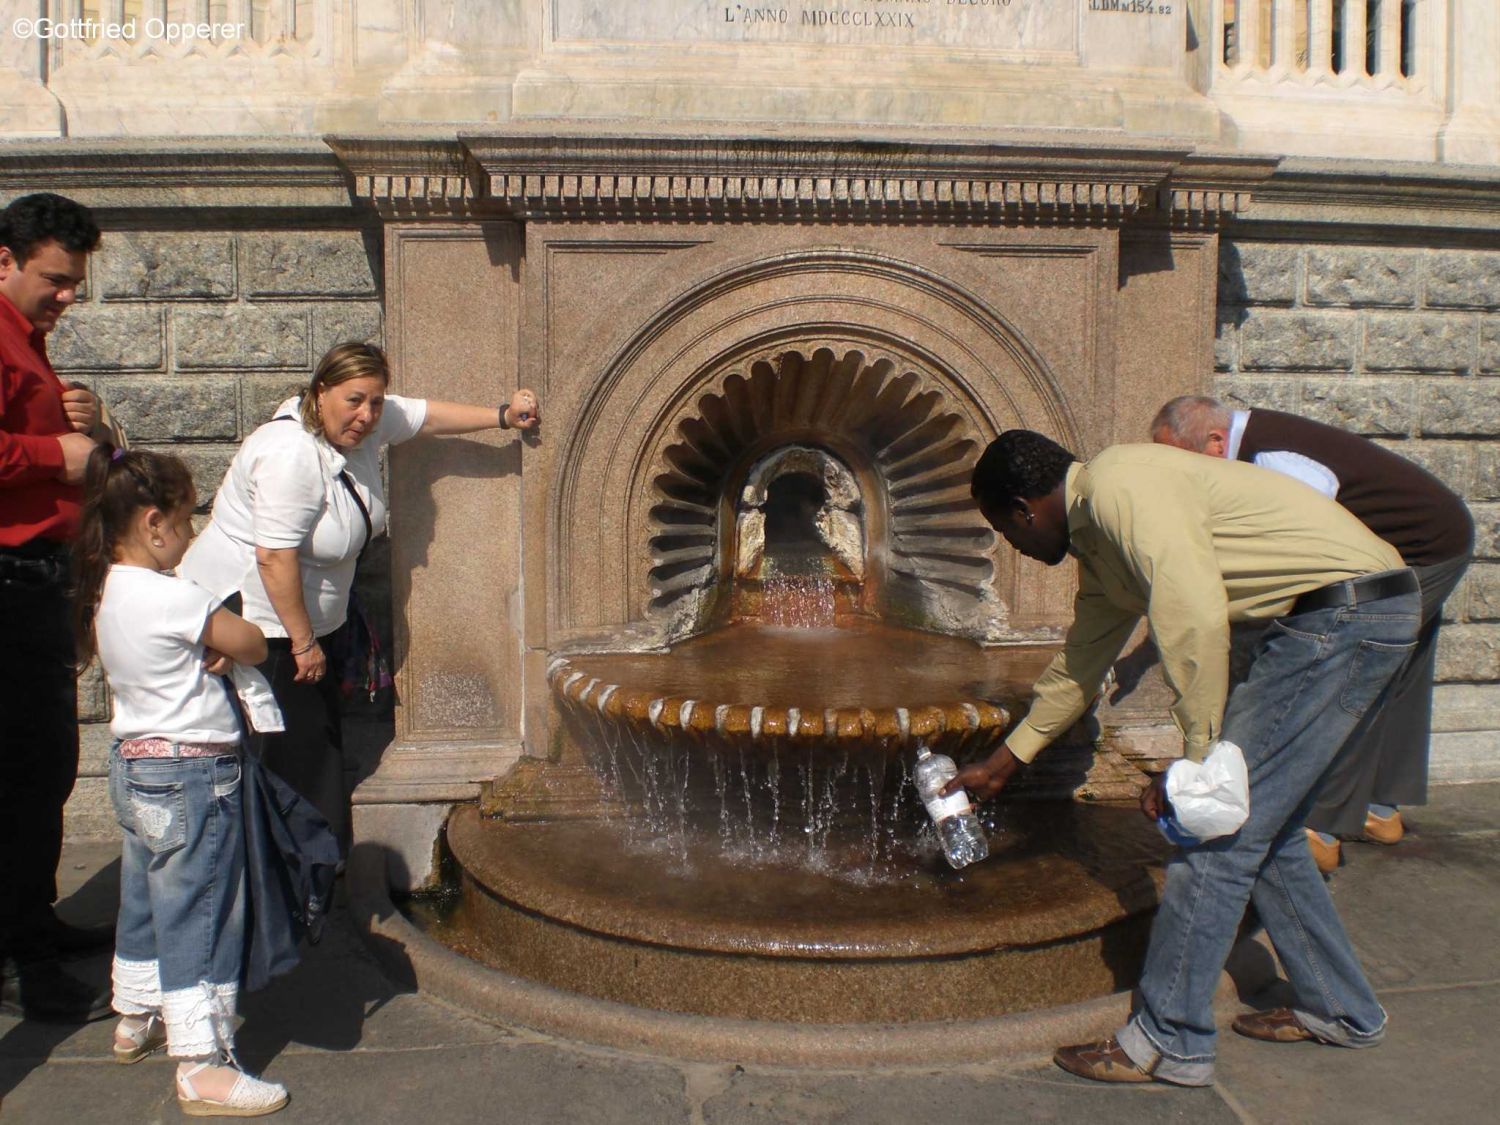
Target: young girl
x: 174, y: 778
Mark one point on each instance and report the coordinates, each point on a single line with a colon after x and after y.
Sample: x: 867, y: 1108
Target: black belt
x: 40, y: 562
x: 1353, y: 591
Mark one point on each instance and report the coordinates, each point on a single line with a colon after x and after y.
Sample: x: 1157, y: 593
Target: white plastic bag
x: 257, y: 699
x: 1210, y: 798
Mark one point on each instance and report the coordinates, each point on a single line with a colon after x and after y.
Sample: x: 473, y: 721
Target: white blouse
x: 283, y: 490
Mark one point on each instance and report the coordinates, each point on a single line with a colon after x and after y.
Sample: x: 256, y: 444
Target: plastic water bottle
x: 963, y: 839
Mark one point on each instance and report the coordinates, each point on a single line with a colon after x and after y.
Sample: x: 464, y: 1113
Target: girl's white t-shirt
x: 150, y: 632
x: 283, y: 490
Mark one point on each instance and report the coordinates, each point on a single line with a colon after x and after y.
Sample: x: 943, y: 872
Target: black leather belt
x: 1353, y: 591
x: 39, y: 562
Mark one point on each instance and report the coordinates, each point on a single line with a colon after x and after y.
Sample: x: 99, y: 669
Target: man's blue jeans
x: 1316, y: 678
x: 180, y: 938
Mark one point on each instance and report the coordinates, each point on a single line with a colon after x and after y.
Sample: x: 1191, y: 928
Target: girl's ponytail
x: 117, y: 483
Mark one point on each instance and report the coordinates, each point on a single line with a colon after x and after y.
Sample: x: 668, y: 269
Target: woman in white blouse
x: 298, y: 504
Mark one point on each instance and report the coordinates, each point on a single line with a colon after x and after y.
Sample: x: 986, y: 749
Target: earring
x: 1030, y: 517
x: 158, y: 542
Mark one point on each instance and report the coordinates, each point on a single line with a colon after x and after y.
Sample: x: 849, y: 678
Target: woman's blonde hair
x: 340, y: 363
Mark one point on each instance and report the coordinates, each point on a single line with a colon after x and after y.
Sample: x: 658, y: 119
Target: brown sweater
x: 1401, y: 502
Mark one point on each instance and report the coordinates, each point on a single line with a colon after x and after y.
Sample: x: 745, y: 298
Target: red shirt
x: 34, y: 501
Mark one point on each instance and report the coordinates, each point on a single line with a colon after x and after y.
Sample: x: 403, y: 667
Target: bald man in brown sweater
x: 1411, y: 510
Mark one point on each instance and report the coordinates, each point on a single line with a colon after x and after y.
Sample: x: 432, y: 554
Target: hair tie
x: 117, y: 454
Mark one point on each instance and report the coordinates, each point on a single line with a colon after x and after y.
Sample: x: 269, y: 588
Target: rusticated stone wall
x: 1402, y: 344
x: 193, y: 337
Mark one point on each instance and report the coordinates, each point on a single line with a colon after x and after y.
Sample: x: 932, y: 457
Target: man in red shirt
x: 47, y: 429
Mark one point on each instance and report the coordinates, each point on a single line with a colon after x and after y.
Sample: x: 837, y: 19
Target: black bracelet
x: 504, y: 425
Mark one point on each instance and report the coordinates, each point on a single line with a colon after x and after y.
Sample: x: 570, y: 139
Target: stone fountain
x: 663, y: 672
x: 730, y: 828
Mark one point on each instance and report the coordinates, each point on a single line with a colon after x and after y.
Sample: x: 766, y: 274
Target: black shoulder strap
x: 363, y: 511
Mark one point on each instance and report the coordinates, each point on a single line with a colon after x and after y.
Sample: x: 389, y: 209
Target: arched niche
x: 899, y: 372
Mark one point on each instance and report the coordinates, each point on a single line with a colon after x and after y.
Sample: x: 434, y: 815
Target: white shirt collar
x: 292, y: 408
x: 1237, y: 422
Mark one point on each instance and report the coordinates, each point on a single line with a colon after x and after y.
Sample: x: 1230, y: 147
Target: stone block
x: 240, y: 336
x: 260, y: 395
x: 408, y: 835
x: 1364, y: 406
x: 1362, y: 276
x: 88, y: 815
x: 1452, y: 462
x: 1226, y: 331
x: 1295, y: 341
x: 93, y: 695
x: 1468, y: 653
x: 94, y: 338
x: 1420, y: 342
x: 1486, y: 473
x: 1456, y: 407
x: 1257, y: 273
x: 1464, y: 279
x: 1489, y: 343
x: 1463, y: 756
x: 1463, y: 707
x: 1486, y: 530
x: 339, y: 322
x: 307, y: 264
x: 1484, y: 593
x: 159, y: 408
x: 208, y: 464
x: 1456, y: 604
x: 1268, y: 394
x: 150, y: 266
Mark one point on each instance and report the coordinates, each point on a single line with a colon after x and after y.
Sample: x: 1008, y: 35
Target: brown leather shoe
x: 1275, y: 1025
x: 1326, y: 856
x: 1103, y: 1062
x: 1384, y: 829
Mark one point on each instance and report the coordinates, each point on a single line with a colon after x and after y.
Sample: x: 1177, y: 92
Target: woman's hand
x: 215, y: 663
x: 524, y: 412
x: 312, y: 665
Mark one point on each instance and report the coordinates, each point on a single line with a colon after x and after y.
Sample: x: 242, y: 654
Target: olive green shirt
x: 1194, y: 543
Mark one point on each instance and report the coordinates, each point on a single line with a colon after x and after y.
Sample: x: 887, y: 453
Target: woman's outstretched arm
x: 523, y: 412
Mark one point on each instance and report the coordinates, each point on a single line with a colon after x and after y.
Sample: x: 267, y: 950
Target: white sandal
x: 248, y: 1097
x: 132, y: 1044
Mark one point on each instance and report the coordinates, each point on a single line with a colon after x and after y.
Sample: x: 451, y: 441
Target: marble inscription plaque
x: 1031, y: 27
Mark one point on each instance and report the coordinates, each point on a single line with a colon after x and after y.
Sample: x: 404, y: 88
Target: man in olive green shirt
x: 1193, y: 544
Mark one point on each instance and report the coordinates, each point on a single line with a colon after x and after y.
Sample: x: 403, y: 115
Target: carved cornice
x: 533, y: 175
x: 174, y: 175
x: 1208, y: 188
x: 536, y: 177
x: 1379, y: 194
x: 419, y: 174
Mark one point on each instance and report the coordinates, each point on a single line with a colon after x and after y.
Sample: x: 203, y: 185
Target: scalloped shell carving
x: 867, y: 405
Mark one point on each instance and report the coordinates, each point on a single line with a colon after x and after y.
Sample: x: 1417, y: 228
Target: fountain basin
x: 861, y: 684
x: 1060, y: 912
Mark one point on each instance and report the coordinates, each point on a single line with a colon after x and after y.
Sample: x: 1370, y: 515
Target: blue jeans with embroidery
x: 1316, y: 681
x: 180, y: 938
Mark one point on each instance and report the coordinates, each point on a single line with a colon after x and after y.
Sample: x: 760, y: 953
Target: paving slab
x: 1433, y: 1067
x: 1041, y: 1093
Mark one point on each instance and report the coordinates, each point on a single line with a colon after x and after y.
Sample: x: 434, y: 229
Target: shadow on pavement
x: 29, y: 1044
